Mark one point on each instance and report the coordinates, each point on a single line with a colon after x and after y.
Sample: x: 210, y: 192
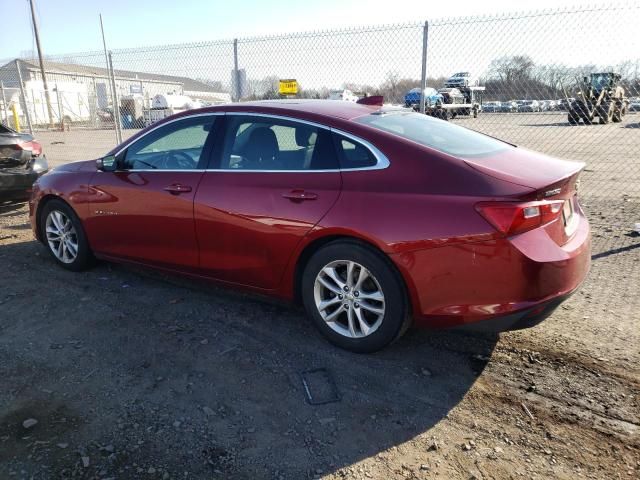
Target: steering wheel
x: 177, y: 160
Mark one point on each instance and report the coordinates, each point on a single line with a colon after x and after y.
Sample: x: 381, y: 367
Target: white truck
x: 69, y: 102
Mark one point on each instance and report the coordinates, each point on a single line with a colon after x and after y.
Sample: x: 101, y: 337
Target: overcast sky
x: 73, y: 25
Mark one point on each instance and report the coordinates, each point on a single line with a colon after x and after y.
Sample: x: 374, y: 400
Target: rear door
x: 273, y: 180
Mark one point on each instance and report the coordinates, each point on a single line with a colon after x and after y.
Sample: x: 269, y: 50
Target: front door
x: 274, y: 180
x: 144, y: 210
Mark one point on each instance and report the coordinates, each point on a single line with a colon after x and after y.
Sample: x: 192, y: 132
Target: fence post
x: 423, y: 78
x: 236, y: 72
x: 60, y: 108
x: 116, y: 105
x: 23, y: 97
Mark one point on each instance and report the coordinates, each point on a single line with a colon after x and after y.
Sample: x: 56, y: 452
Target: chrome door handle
x: 177, y: 189
x: 299, y: 195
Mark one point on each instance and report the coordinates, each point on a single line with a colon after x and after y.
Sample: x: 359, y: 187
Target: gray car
x: 21, y: 162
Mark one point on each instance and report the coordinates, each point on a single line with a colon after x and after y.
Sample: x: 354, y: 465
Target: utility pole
x: 44, y: 77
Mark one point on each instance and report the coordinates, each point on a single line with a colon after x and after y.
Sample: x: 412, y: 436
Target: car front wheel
x: 64, y: 237
x: 355, y: 297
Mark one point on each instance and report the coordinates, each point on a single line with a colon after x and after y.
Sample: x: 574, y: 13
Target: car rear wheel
x: 64, y: 237
x: 355, y: 297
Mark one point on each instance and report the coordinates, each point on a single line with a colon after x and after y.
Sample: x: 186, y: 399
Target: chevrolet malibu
x: 371, y: 218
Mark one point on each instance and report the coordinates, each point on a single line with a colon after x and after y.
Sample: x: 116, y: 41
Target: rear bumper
x: 17, y: 182
x: 519, y: 320
x: 513, y: 282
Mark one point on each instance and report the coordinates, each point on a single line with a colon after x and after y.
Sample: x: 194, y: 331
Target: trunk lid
x: 552, y: 180
x: 524, y: 167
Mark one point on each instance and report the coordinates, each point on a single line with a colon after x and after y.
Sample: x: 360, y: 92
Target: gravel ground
x: 126, y: 373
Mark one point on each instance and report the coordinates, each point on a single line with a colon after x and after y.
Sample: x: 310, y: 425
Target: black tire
x: 396, y: 318
x: 617, y: 114
x: 573, y: 117
x: 84, y: 258
x: 605, y: 112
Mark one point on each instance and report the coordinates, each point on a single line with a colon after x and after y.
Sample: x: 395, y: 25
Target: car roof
x: 301, y: 108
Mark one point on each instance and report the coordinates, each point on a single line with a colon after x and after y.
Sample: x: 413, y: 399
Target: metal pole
x: 111, y: 84
x: 40, y: 56
x: 236, y: 72
x: 60, y: 109
x: 116, y: 106
x: 423, y: 78
x: 5, y: 110
x: 24, y: 99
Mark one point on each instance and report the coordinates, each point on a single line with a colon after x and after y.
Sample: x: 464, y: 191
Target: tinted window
x: 176, y: 146
x: 437, y: 134
x: 263, y: 143
x: 353, y: 154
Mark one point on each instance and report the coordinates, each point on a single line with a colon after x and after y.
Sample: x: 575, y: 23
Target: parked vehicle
x: 165, y: 105
x: 372, y: 221
x: 462, y: 79
x: 509, y: 107
x: 528, y: 105
x: 547, y: 105
x: 564, y: 103
x: 600, y: 96
x: 345, y: 95
x: 21, y: 162
x: 431, y: 97
x: 492, y: 107
x: 634, y: 105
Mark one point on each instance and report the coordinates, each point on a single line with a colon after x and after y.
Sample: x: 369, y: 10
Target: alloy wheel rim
x: 61, y: 236
x: 349, y: 299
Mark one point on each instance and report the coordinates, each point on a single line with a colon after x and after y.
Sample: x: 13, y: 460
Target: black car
x: 21, y: 162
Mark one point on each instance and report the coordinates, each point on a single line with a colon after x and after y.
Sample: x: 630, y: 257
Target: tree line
x: 507, y: 78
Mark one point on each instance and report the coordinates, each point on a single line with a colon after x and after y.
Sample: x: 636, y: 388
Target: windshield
x: 437, y: 134
x: 599, y: 80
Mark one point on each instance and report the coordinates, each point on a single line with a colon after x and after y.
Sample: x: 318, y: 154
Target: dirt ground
x: 133, y: 374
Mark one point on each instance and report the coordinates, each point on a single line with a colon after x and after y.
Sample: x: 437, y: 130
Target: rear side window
x: 262, y: 143
x: 353, y: 154
x: 437, y: 134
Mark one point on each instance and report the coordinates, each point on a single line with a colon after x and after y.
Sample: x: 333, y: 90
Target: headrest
x: 306, y: 137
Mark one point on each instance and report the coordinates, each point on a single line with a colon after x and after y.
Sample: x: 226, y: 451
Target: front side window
x: 266, y: 143
x: 437, y: 134
x: 176, y: 146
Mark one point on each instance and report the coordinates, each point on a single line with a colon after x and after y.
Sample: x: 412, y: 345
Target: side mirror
x: 107, y: 164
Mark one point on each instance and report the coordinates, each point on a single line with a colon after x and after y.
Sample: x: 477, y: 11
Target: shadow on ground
x: 138, y: 372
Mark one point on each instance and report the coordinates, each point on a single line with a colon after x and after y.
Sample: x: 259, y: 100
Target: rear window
x: 437, y: 134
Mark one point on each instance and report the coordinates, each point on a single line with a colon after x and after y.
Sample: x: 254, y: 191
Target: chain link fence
x: 517, y: 76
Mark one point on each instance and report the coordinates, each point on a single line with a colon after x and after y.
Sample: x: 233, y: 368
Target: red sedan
x: 372, y: 218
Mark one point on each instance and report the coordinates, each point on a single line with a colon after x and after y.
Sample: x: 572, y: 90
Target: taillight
x: 513, y: 218
x: 34, y: 147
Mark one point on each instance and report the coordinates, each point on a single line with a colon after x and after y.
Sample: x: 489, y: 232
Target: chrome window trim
x: 382, y: 161
x: 195, y: 170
